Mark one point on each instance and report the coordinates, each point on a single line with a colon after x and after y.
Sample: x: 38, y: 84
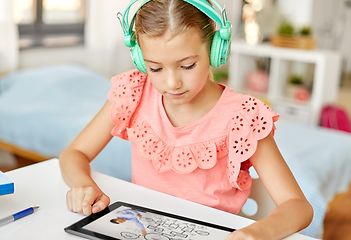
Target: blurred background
x: 38, y: 32
x: 57, y: 57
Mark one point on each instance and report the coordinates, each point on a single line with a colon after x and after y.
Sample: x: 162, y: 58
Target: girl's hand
x: 86, y: 200
x: 241, y: 235
x: 249, y: 233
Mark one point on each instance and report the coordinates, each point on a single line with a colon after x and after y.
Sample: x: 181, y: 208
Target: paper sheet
x: 50, y: 226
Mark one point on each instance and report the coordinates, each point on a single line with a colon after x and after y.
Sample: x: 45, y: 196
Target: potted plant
x: 288, y: 36
x: 296, y: 89
x: 258, y: 79
x: 294, y: 82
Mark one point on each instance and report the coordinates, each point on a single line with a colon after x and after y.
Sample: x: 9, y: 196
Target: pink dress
x: 206, y: 161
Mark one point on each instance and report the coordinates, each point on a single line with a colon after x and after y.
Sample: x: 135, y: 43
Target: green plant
x: 306, y: 31
x: 220, y: 76
x: 295, y: 80
x: 286, y: 28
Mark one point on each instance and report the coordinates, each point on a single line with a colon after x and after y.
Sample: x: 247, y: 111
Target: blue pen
x: 17, y: 216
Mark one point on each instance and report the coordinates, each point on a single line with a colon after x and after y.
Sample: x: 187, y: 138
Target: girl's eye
x: 155, y: 69
x: 189, y: 67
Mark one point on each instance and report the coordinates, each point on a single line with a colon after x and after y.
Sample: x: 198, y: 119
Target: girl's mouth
x: 176, y: 95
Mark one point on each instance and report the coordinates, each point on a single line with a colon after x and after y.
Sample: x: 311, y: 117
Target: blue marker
x: 17, y: 216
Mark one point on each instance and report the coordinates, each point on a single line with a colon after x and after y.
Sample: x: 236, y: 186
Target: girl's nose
x: 174, y: 81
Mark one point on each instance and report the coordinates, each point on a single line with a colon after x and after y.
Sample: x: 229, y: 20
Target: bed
x: 43, y: 109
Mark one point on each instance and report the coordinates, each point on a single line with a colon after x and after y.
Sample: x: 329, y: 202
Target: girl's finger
x: 101, y: 204
x: 89, y: 198
x: 69, y: 200
x: 78, y: 195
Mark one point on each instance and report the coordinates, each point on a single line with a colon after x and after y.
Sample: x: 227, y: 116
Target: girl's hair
x: 157, y: 16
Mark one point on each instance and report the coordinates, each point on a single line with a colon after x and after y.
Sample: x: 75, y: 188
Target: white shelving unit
x: 325, y: 65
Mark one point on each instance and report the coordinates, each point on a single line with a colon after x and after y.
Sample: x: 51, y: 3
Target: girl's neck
x: 181, y: 115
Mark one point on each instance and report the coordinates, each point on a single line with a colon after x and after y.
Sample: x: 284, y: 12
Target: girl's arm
x: 85, y: 196
x: 293, y: 212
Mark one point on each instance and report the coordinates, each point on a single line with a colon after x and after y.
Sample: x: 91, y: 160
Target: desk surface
x: 41, y: 185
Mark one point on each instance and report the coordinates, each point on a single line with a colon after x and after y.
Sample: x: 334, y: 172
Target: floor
x: 10, y: 162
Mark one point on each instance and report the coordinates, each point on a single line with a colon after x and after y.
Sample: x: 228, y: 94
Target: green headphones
x: 221, y: 41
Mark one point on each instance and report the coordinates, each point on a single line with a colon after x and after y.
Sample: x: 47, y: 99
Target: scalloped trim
x: 125, y: 96
x: 253, y: 122
x: 184, y: 159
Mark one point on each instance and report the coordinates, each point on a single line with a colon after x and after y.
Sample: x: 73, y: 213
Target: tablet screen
x: 125, y: 221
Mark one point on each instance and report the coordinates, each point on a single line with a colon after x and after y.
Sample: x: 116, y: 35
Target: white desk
x: 41, y: 184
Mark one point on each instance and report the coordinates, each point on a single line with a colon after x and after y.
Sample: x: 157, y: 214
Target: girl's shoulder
x: 251, y: 120
x: 125, y: 96
x: 248, y: 109
x: 132, y: 77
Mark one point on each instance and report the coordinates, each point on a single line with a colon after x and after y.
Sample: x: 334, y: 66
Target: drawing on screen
x: 128, y: 235
x: 159, y: 227
x: 132, y: 216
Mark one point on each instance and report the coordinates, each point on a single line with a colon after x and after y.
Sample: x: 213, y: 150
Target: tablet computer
x: 124, y: 221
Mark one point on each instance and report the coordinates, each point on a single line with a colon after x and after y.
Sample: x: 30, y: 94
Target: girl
x: 191, y: 137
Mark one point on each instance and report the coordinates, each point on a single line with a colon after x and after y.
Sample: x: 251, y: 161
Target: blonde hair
x: 157, y: 16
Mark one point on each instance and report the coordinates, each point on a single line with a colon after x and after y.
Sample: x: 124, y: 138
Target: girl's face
x: 178, y: 67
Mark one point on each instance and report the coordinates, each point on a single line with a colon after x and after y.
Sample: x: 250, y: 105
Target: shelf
x: 268, y: 50
x: 320, y: 70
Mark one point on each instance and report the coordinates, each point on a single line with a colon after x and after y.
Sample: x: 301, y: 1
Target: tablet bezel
x: 77, y: 228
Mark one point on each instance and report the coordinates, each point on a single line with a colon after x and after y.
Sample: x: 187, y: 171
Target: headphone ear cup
x: 219, y: 51
x: 215, y: 50
x: 138, y: 58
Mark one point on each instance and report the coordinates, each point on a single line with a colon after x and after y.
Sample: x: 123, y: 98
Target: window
x: 50, y: 22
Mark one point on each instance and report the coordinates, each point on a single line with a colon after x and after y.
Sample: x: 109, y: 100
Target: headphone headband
x: 202, y: 5
x: 221, y: 41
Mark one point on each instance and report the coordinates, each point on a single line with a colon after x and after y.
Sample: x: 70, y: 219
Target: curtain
x: 107, y: 53
x: 9, y: 49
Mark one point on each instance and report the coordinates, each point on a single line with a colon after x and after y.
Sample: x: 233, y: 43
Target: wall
x: 233, y: 8
x: 332, y: 27
x: 299, y: 12
x: 37, y: 57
